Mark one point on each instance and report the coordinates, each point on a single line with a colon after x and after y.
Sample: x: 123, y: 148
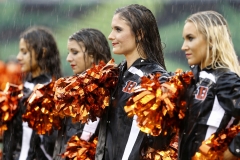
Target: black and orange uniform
x: 119, y: 136
x: 213, y: 100
x: 21, y: 142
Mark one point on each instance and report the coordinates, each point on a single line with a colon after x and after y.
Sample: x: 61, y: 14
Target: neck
x: 204, y: 65
x: 131, y: 58
x: 36, y: 72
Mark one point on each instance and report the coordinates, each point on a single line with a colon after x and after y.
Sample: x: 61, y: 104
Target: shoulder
x: 228, y: 84
x: 42, y: 79
x: 225, y: 76
x: 218, y: 75
x: 152, y: 67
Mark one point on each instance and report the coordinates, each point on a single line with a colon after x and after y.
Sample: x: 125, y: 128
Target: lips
x: 72, y: 65
x: 188, y: 54
x: 21, y: 64
x: 114, y: 44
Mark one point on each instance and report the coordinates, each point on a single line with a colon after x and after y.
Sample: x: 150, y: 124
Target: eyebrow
x: 190, y: 34
x: 116, y: 26
x: 23, y: 49
x: 74, y: 49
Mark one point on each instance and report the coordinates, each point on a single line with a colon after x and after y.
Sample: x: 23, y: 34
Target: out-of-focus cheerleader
x: 88, y: 51
x: 40, y: 62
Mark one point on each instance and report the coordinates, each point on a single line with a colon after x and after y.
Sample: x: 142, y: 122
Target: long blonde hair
x: 220, y: 51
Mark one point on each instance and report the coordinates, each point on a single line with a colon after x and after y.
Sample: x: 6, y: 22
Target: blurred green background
x: 64, y: 17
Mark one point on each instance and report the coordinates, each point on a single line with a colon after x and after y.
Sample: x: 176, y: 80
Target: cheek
x: 198, y: 57
x: 26, y: 67
x: 79, y: 59
x: 80, y: 63
x: 124, y: 38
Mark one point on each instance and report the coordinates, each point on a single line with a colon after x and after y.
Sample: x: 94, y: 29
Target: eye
x: 118, y: 29
x: 190, y: 38
x: 75, y: 52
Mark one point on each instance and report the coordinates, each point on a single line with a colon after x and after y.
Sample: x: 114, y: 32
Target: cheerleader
x: 213, y: 96
x: 86, y: 47
x: 40, y: 62
x: 134, y: 35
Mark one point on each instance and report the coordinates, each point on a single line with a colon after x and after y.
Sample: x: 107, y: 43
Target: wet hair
x: 41, y: 40
x: 95, y: 44
x: 144, y: 26
x: 214, y: 27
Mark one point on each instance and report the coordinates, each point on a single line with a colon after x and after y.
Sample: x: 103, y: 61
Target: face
x: 122, y: 37
x: 78, y: 59
x: 194, y: 45
x: 27, y: 59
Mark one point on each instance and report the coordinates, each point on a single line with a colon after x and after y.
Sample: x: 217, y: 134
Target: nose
x: 184, y: 46
x: 69, y: 57
x: 19, y: 56
x: 111, y: 37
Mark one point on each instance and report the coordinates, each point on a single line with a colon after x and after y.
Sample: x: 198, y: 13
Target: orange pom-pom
x: 40, y: 114
x: 217, y: 144
x: 85, y: 96
x: 78, y: 149
x: 10, y: 92
x: 157, y: 105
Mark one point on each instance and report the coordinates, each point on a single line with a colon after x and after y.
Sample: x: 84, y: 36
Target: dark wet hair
x: 144, y: 25
x: 95, y: 44
x: 41, y: 40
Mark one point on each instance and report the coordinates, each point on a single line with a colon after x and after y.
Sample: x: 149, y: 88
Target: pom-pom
x: 40, y: 114
x: 9, y: 99
x: 216, y: 145
x: 10, y: 92
x: 10, y: 73
x: 78, y: 149
x: 170, y: 154
x: 157, y: 105
x: 85, y: 96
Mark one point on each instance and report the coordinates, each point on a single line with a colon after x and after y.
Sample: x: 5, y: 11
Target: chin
x: 116, y: 51
x: 24, y: 70
x: 190, y: 63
